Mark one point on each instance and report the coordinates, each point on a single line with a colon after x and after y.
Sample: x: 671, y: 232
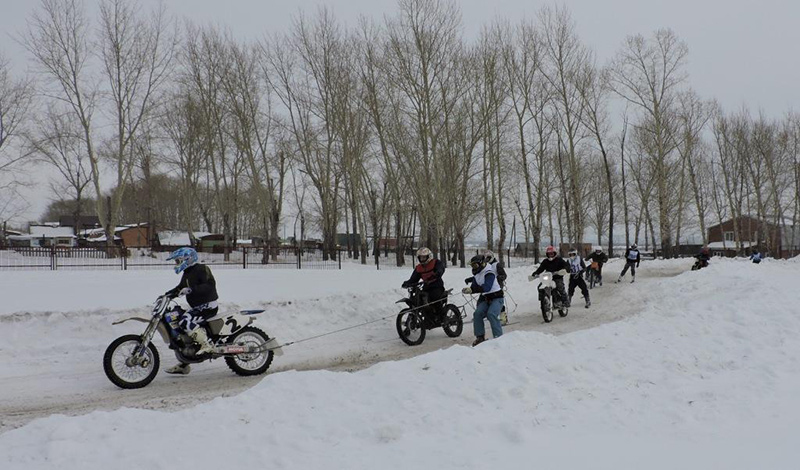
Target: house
x: 211, y: 242
x: 45, y: 236
x: 342, y: 239
x: 777, y: 240
x: 526, y: 249
x: 80, y: 223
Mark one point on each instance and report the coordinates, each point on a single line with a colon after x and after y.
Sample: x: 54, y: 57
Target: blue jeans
x: 492, y: 311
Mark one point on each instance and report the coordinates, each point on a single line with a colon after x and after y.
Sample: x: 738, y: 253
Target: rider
x: 430, y: 271
x: 576, y: 269
x: 703, y: 257
x: 597, y: 256
x: 756, y: 257
x: 499, y: 268
x: 632, y: 259
x: 554, y: 263
x: 490, y: 302
x: 200, y: 288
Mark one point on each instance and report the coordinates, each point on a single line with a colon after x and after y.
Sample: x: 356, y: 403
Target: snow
x: 43, y: 231
x: 703, y: 376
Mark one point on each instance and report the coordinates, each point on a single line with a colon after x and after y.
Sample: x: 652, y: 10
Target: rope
x: 358, y: 325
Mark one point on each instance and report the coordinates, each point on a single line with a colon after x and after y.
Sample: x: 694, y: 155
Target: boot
x: 588, y: 302
x: 181, y: 368
x: 200, y: 337
x: 619, y: 279
x: 633, y: 279
x: 478, y: 340
x: 503, y: 318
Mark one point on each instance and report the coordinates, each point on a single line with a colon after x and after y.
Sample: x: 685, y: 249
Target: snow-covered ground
x: 680, y: 370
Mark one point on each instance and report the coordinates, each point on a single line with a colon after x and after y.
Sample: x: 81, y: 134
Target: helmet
x: 573, y: 252
x: 551, y: 250
x: 184, y: 257
x: 705, y: 250
x: 424, y: 255
x: 477, y: 263
x: 598, y: 251
x: 634, y: 246
x: 488, y: 255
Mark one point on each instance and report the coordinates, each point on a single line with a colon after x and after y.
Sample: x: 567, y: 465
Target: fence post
x: 299, y: 252
x: 339, y: 256
x: 124, y: 255
x: 244, y: 257
x: 53, y: 259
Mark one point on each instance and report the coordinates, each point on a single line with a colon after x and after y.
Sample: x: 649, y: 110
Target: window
x: 729, y: 236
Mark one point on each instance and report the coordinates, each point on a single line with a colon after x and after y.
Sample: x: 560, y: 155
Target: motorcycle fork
x: 147, y: 336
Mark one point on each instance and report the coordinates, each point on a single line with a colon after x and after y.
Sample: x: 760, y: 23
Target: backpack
x: 501, y: 274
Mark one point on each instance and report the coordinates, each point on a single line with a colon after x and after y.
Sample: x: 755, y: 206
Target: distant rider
x: 430, y: 271
x: 632, y: 260
x: 599, y: 257
x: 703, y: 257
x: 490, y: 302
x: 756, y: 257
x: 553, y: 263
x: 200, y: 288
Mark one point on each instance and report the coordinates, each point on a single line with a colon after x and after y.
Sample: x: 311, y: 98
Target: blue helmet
x: 184, y: 257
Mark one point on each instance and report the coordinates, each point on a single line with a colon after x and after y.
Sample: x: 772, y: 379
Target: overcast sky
x: 741, y: 52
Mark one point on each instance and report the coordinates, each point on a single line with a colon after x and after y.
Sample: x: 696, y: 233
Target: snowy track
x: 64, y: 376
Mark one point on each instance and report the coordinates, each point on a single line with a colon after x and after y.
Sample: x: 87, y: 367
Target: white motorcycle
x: 547, y: 285
x: 132, y: 361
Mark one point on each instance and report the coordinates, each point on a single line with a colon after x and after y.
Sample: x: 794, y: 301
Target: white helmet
x: 488, y: 255
x: 424, y: 255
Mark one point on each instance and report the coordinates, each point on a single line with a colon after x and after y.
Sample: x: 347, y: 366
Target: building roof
x: 178, y: 238
x: 728, y: 245
x: 46, y: 231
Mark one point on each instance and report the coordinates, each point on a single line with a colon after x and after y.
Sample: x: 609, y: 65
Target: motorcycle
x: 699, y: 264
x: 421, y: 315
x: 547, y: 285
x: 132, y: 361
x: 593, y: 275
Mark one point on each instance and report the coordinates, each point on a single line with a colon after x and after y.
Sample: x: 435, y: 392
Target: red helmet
x: 551, y: 250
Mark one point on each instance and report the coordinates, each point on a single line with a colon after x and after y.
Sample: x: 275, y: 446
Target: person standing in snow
x: 597, y: 256
x: 576, y: 269
x: 198, y: 285
x: 632, y: 260
x: 430, y: 271
x: 499, y: 268
x: 491, y: 301
x: 554, y: 263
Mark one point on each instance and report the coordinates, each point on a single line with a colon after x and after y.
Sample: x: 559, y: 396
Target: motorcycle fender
x: 230, y: 324
x: 161, y: 328
x: 403, y: 301
x: 274, y: 346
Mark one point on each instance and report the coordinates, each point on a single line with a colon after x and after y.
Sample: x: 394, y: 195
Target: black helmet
x: 477, y: 263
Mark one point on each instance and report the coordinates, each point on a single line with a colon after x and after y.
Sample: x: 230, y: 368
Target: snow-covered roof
x: 44, y: 231
x: 174, y: 238
x: 728, y: 245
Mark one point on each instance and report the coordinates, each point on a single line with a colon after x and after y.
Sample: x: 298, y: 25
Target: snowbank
x: 705, y: 377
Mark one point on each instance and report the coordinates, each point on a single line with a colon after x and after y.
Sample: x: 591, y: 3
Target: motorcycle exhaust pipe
x: 271, y: 345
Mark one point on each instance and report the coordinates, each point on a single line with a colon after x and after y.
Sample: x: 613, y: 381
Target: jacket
x: 198, y: 277
x: 552, y: 265
x: 430, y: 274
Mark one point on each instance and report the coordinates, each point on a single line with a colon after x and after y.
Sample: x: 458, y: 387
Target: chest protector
x: 633, y: 254
x: 575, y: 265
x: 426, y: 271
x: 480, y: 278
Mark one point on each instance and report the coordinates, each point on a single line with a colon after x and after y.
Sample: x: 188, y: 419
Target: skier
x: 430, y: 271
x: 756, y: 257
x: 600, y: 259
x: 576, y: 269
x: 490, y: 302
x: 499, y: 268
x: 632, y: 259
x: 554, y: 263
x: 198, y: 285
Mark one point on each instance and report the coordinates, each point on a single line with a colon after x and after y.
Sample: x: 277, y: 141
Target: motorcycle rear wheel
x: 120, y: 373
x: 410, y: 327
x: 250, y: 363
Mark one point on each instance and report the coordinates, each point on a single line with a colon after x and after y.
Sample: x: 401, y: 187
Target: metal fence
x: 259, y: 257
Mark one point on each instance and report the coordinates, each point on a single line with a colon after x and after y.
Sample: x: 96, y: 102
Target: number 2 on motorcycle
x: 234, y: 325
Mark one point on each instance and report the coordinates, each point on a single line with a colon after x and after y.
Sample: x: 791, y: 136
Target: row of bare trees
x: 400, y: 129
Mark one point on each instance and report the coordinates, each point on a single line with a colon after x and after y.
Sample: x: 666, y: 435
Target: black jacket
x: 197, y: 277
x: 636, y: 260
x: 552, y: 265
x: 599, y: 258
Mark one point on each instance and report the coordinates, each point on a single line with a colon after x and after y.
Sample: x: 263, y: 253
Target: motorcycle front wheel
x: 119, y: 366
x: 452, y: 323
x: 547, y: 310
x: 410, y: 327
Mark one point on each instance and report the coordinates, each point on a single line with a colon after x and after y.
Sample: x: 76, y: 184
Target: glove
x: 532, y: 278
x: 185, y: 291
x: 466, y: 290
x: 468, y: 280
